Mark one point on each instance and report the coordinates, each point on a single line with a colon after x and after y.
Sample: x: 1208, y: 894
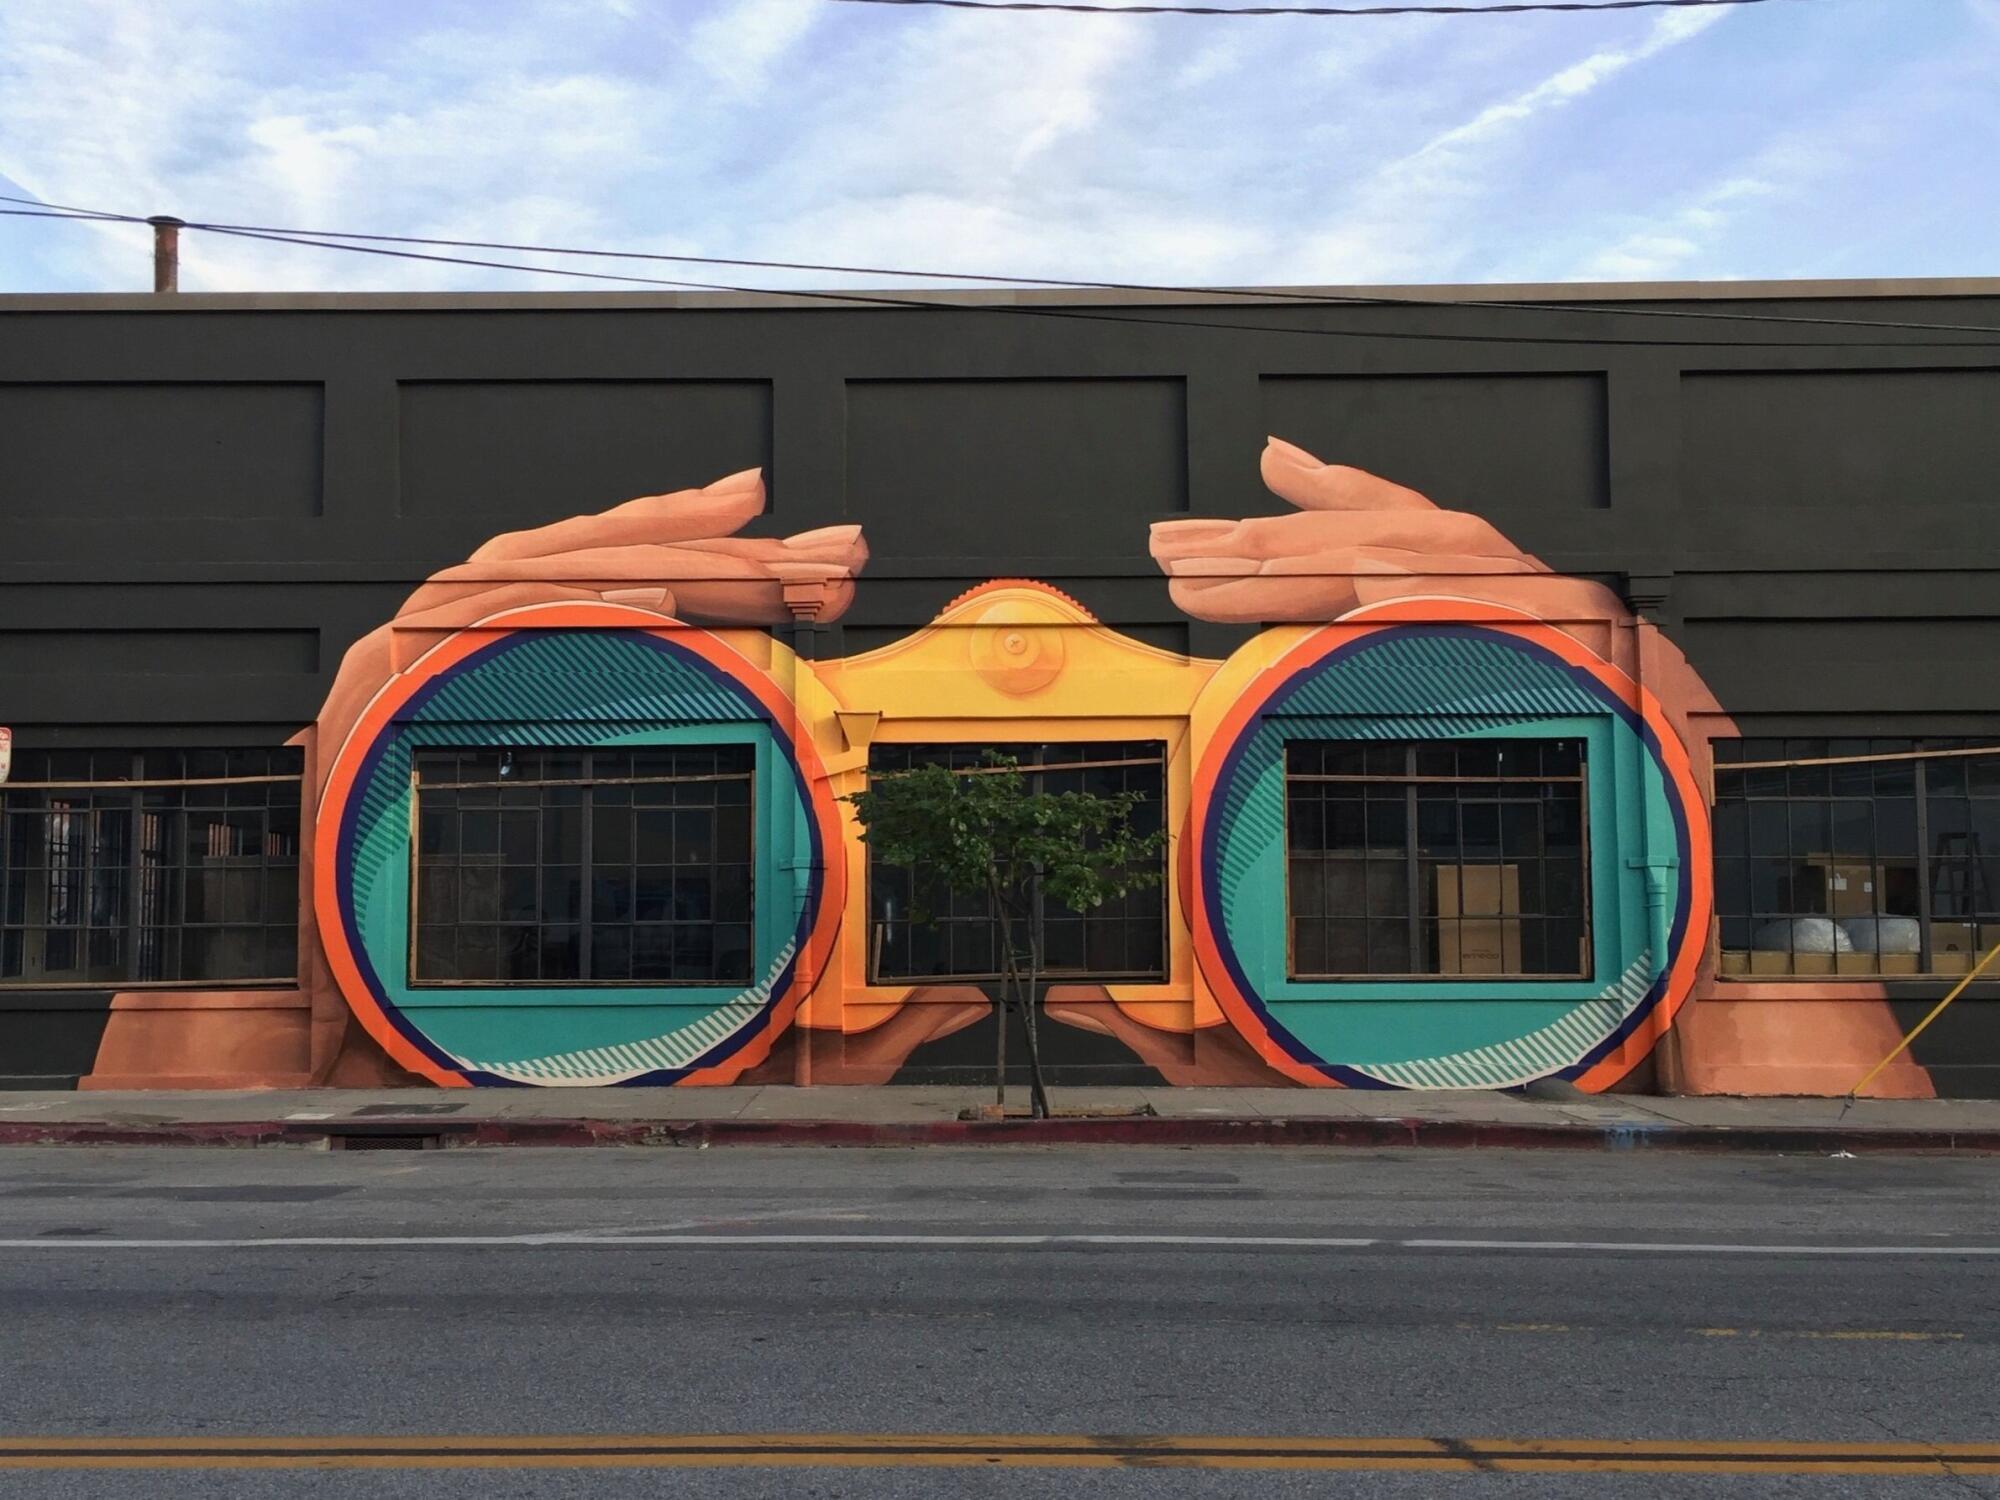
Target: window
x: 1123, y: 939
x: 1853, y: 856
x: 1453, y: 857
x: 150, y: 867
x: 611, y: 867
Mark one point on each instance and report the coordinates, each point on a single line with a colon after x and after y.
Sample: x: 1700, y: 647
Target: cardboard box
x: 1955, y: 938
x: 1767, y: 964
x: 1490, y: 891
x: 1479, y: 945
x: 1474, y: 937
x: 1848, y: 886
x: 1798, y: 963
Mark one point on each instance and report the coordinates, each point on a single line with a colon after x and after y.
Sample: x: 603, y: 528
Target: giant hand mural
x: 643, y: 631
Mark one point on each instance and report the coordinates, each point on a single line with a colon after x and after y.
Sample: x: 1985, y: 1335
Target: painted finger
x: 1394, y: 562
x: 843, y: 545
x: 639, y: 565
x: 1546, y: 596
x: 1317, y: 587
x: 1293, y: 474
x: 1303, y: 533
x: 719, y: 509
x: 476, y: 603
x: 1255, y: 599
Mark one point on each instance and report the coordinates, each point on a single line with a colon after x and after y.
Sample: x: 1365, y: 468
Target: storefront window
x: 1453, y: 857
x: 920, y: 930
x: 148, y: 867
x: 1856, y: 856
x: 613, y: 867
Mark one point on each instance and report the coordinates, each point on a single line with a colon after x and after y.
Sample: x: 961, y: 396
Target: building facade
x: 1595, y: 683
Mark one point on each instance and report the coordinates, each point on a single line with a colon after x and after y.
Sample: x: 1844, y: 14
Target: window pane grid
x: 1874, y: 856
x: 602, y: 867
x: 150, y: 867
x: 1454, y: 857
x: 1125, y: 938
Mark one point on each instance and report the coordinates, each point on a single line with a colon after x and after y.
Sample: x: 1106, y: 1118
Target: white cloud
x: 742, y: 42
x: 126, y: 108
x: 1564, y: 86
x: 1157, y: 149
x: 1666, y: 248
x: 1401, y: 217
x: 1218, y: 59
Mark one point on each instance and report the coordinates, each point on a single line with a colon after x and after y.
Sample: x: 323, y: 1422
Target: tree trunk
x: 1031, y: 1002
x: 1038, y: 1097
x: 1000, y: 1050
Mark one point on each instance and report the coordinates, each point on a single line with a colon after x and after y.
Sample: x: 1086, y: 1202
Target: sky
x: 1796, y: 138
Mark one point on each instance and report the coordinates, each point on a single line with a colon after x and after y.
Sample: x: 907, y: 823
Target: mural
x: 1386, y: 620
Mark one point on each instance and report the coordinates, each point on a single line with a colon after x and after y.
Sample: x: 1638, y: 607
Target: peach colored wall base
x: 205, y: 1039
x: 1793, y: 1045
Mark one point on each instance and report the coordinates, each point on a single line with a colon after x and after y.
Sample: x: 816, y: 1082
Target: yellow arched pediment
x: 1018, y: 650
x: 1011, y: 661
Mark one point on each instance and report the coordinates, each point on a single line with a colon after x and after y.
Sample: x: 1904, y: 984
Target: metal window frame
x: 131, y: 926
x: 586, y: 863
x: 1918, y: 760
x: 1412, y: 863
x: 872, y: 958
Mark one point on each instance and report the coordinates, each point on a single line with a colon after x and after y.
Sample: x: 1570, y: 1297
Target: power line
x: 321, y: 240
x: 1307, y: 299
x: 1313, y: 298
x: 1073, y: 314
x: 1517, y: 7
x: 1257, y: 293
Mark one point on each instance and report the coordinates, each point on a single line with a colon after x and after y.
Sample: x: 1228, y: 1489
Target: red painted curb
x: 1122, y: 1131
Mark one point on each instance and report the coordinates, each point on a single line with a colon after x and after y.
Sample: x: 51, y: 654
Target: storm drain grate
x: 384, y: 1141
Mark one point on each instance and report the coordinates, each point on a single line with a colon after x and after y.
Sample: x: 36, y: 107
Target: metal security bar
x: 1856, y: 857
x: 115, y: 871
x: 623, y: 867
x: 1412, y: 859
x: 960, y: 937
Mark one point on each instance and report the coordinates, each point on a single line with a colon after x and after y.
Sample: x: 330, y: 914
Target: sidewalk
x: 420, y: 1119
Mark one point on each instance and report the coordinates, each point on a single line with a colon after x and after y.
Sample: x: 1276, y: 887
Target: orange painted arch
x: 329, y: 899
x: 1673, y: 758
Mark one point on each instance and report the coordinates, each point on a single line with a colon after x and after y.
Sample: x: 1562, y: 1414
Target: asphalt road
x: 872, y: 1299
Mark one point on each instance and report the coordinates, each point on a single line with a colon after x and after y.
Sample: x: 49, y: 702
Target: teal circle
x: 574, y: 689
x: 1448, y: 683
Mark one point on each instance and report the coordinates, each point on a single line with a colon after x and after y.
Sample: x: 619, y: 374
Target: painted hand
x: 1355, y: 539
x: 676, y: 554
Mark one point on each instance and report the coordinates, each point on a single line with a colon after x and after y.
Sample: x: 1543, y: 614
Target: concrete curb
x: 423, y: 1133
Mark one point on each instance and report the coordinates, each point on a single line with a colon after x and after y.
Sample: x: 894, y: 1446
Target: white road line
x: 610, y: 1240
x: 1671, y: 1247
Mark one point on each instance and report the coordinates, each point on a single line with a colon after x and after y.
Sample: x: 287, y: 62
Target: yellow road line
x: 919, y: 1450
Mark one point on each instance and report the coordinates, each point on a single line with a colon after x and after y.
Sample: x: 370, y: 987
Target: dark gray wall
x: 201, y: 505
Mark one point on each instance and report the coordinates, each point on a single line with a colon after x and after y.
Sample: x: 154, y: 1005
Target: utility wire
x: 1313, y: 298
x: 296, y: 237
x: 1053, y: 312
x: 1517, y: 7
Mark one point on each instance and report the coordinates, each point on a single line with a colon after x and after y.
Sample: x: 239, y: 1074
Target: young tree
x: 986, y: 828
